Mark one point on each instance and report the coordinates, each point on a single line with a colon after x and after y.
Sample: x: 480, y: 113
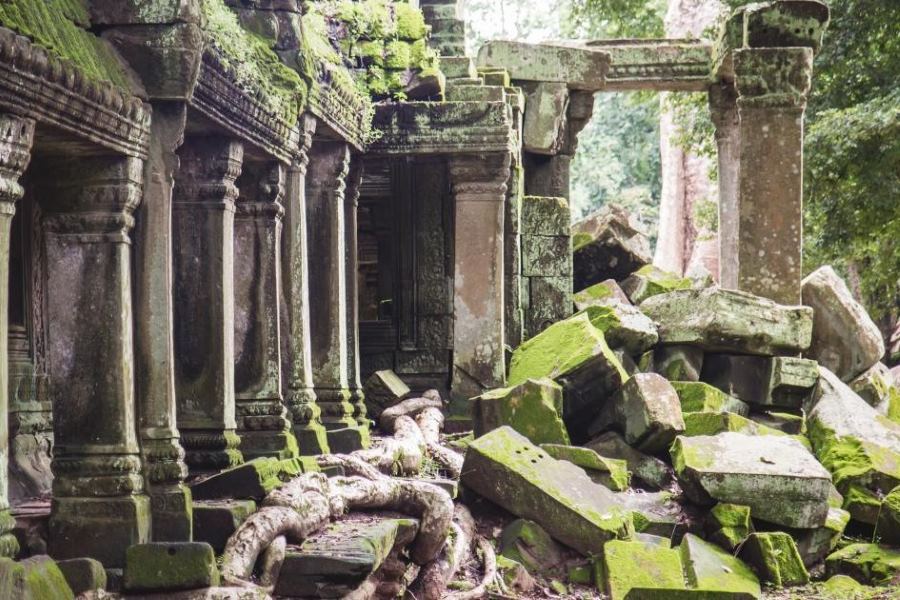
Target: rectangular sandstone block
x: 543, y: 215
x: 545, y: 256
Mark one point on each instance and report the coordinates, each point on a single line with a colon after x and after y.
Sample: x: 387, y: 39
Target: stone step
x: 333, y: 562
x: 216, y: 520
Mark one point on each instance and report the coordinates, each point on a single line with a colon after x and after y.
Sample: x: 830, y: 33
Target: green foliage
x: 615, y: 18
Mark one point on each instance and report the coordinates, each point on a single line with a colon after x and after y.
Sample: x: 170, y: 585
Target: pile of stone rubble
x: 689, y: 441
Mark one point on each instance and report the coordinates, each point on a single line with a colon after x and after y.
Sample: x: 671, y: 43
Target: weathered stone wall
x: 546, y: 262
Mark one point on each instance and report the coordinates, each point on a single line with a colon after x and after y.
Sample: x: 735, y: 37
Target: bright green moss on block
x: 650, y: 281
x: 711, y: 570
x: 729, y: 524
x: 713, y: 423
x: 636, y: 565
x: 775, y: 557
x: 611, y: 472
x: 397, y: 55
x: 170, y: 567
x: 410, y: 22
x: 841, y: 587
x: 867, y: 563
x: 697, y: 396
x: 58, y: 26
x: 532, y: 408
x: 581, y: 239
x: 36, y: 578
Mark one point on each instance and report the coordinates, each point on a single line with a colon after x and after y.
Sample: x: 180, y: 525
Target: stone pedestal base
x: 172, y: 514
x: 100, y: 528
x: 308, y: 430
x: 344, y: 433
x: 210, y: 451
x: 347, y: 439
x: 9, y: 545
x: 277, y: 444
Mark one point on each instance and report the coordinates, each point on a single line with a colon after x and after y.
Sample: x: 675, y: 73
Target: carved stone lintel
x: 203, y: 237
x: 479, y: 190
x: 16, y: 136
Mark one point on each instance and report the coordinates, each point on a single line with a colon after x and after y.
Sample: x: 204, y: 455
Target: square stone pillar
x: 724, y: 113
x: 479, y: 193
x: 16, y: 136
x: 163, y: 456
x: 296, y: 352
x: 203, y: 238
x: 351, y: 206
x: 772, y: 86
x: 99, y: 508
x: 325, y: 186
x: 263, y: 424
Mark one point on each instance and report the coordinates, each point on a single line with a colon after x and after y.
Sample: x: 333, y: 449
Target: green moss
x: 729, y: 524
x: 636, y: 565
x: 867, y: 563
x: 410, y: 22
x: 776, y: 558
x: 712, y: 570
x: 371, y: 51
x: 713, y: 423
x: 656, y: 281
x: 58, y: 26
x: 696, y: 396
x: 611, y: 472
x: 170, y: 566
x: 581, y: 239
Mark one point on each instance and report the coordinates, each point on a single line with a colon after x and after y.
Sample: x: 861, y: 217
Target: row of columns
x: 225, y: 355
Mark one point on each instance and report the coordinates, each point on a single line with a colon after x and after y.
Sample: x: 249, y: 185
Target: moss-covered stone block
x: 610, y: 472
x: 253, y: 479
x: 782, y: 381
x: 716, y: 574
x: 607, y: 245
x: 867, y: 563
x: 678, y: 363
x: 632, y: 566
x: 170, y: 566
x: 714, y: 423
x: 775, y: 558
x: 815, y: 544
x: 728, y: 524
x: 600, y: 294
x: 660, y: 514
x: 504, y: 467
x: 532, y: 408
x: 83, y: 574
x: 529, y: 544
x: 650, y: 280
x: 546, y: 256
x: 35, y: 578
x: 648, y: 469
x: 889, y: 518
x: 216, y: 520
x: 719, y: 320
x: 546, y: 215
x: 696, y: 396
x: 624, y: 326
x: 410, y: 21
x: 775, y: 476
x: 397, y: 55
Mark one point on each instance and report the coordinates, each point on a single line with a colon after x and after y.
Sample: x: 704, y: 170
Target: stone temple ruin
x: 219, y: 218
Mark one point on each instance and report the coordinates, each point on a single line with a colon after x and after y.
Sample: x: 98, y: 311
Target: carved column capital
x: 208, y: 171
x: 723, y: 107
x: 328, y: 168
x: 482, y: 176
x: 16, y: 137
x: 264, y: 192
x: 773, y: 77
x: 307, y: 126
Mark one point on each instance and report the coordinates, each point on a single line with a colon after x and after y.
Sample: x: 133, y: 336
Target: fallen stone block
x: 888, y: 528
x: 841, y: 587
x: 532, y: 408
x: 253, y: 479
x: 507, y: 469
x: 170, y: 566
x: 574, y: 353
x: 696, y: 396
x: 515, y: 576
x: 604, y: 293
x: 775, y: 476
x: 216, y: 520
x: 774, y: 557
x: 860, y: 447
x: 718, y: 320
x: 780, y: 381
x: 815, y: 544
x: 728, y: 525
x: 334, y: 562
x: 83, y: 574
x: 867, y: 563
x: 624, y: 327
x: 35, y: 578
x: 383, y: 389
x: 716, y: 573
x: 650, y: 281
x: 714, y: 423
x: 648, y: 469
x: 610, y: 472
x: 544, y: 126
x: 876, y: 386
x: 845, y: 340
x: 780, y: 421
x: 660, y: 514
x: 678, y: 363
x: 646, y: 410
x: 530, y: 545
x: 607, y: 245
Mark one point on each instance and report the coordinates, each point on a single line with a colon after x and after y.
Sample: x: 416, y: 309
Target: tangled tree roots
x: 490, y: 573
x: 433, y: 578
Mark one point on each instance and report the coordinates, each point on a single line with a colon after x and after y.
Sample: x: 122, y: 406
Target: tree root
x: 431, y: 421
x: 433, y: 578
x: 490, y: 573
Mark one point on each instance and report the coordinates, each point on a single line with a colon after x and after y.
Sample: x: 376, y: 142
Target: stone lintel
x: 674, y: 65
x: 579, y: 67
x: 443, y: 128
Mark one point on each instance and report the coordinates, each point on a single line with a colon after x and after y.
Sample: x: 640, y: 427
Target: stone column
x: 99, y: 508
x: 296, y: 354
x: 772, y: 85
x: 263, y: 424
x: 203, y: 238
x: 724, y: 113
x: 325, y: 186
x: 479, y: 192
x: 351, y: 205
x: 16, y: 136
x: 164, y: 468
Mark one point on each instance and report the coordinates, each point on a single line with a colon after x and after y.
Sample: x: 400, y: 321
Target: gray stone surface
x: 719, y: 320
x: 845, y: 339
x: 507, y: 469
x: 779, y: 479
x: 607, y: 245
x: 678, y: 363
x: 780, y: 382
x: 383, y: 389
x: 624, y: 326
x: 648, y: 469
